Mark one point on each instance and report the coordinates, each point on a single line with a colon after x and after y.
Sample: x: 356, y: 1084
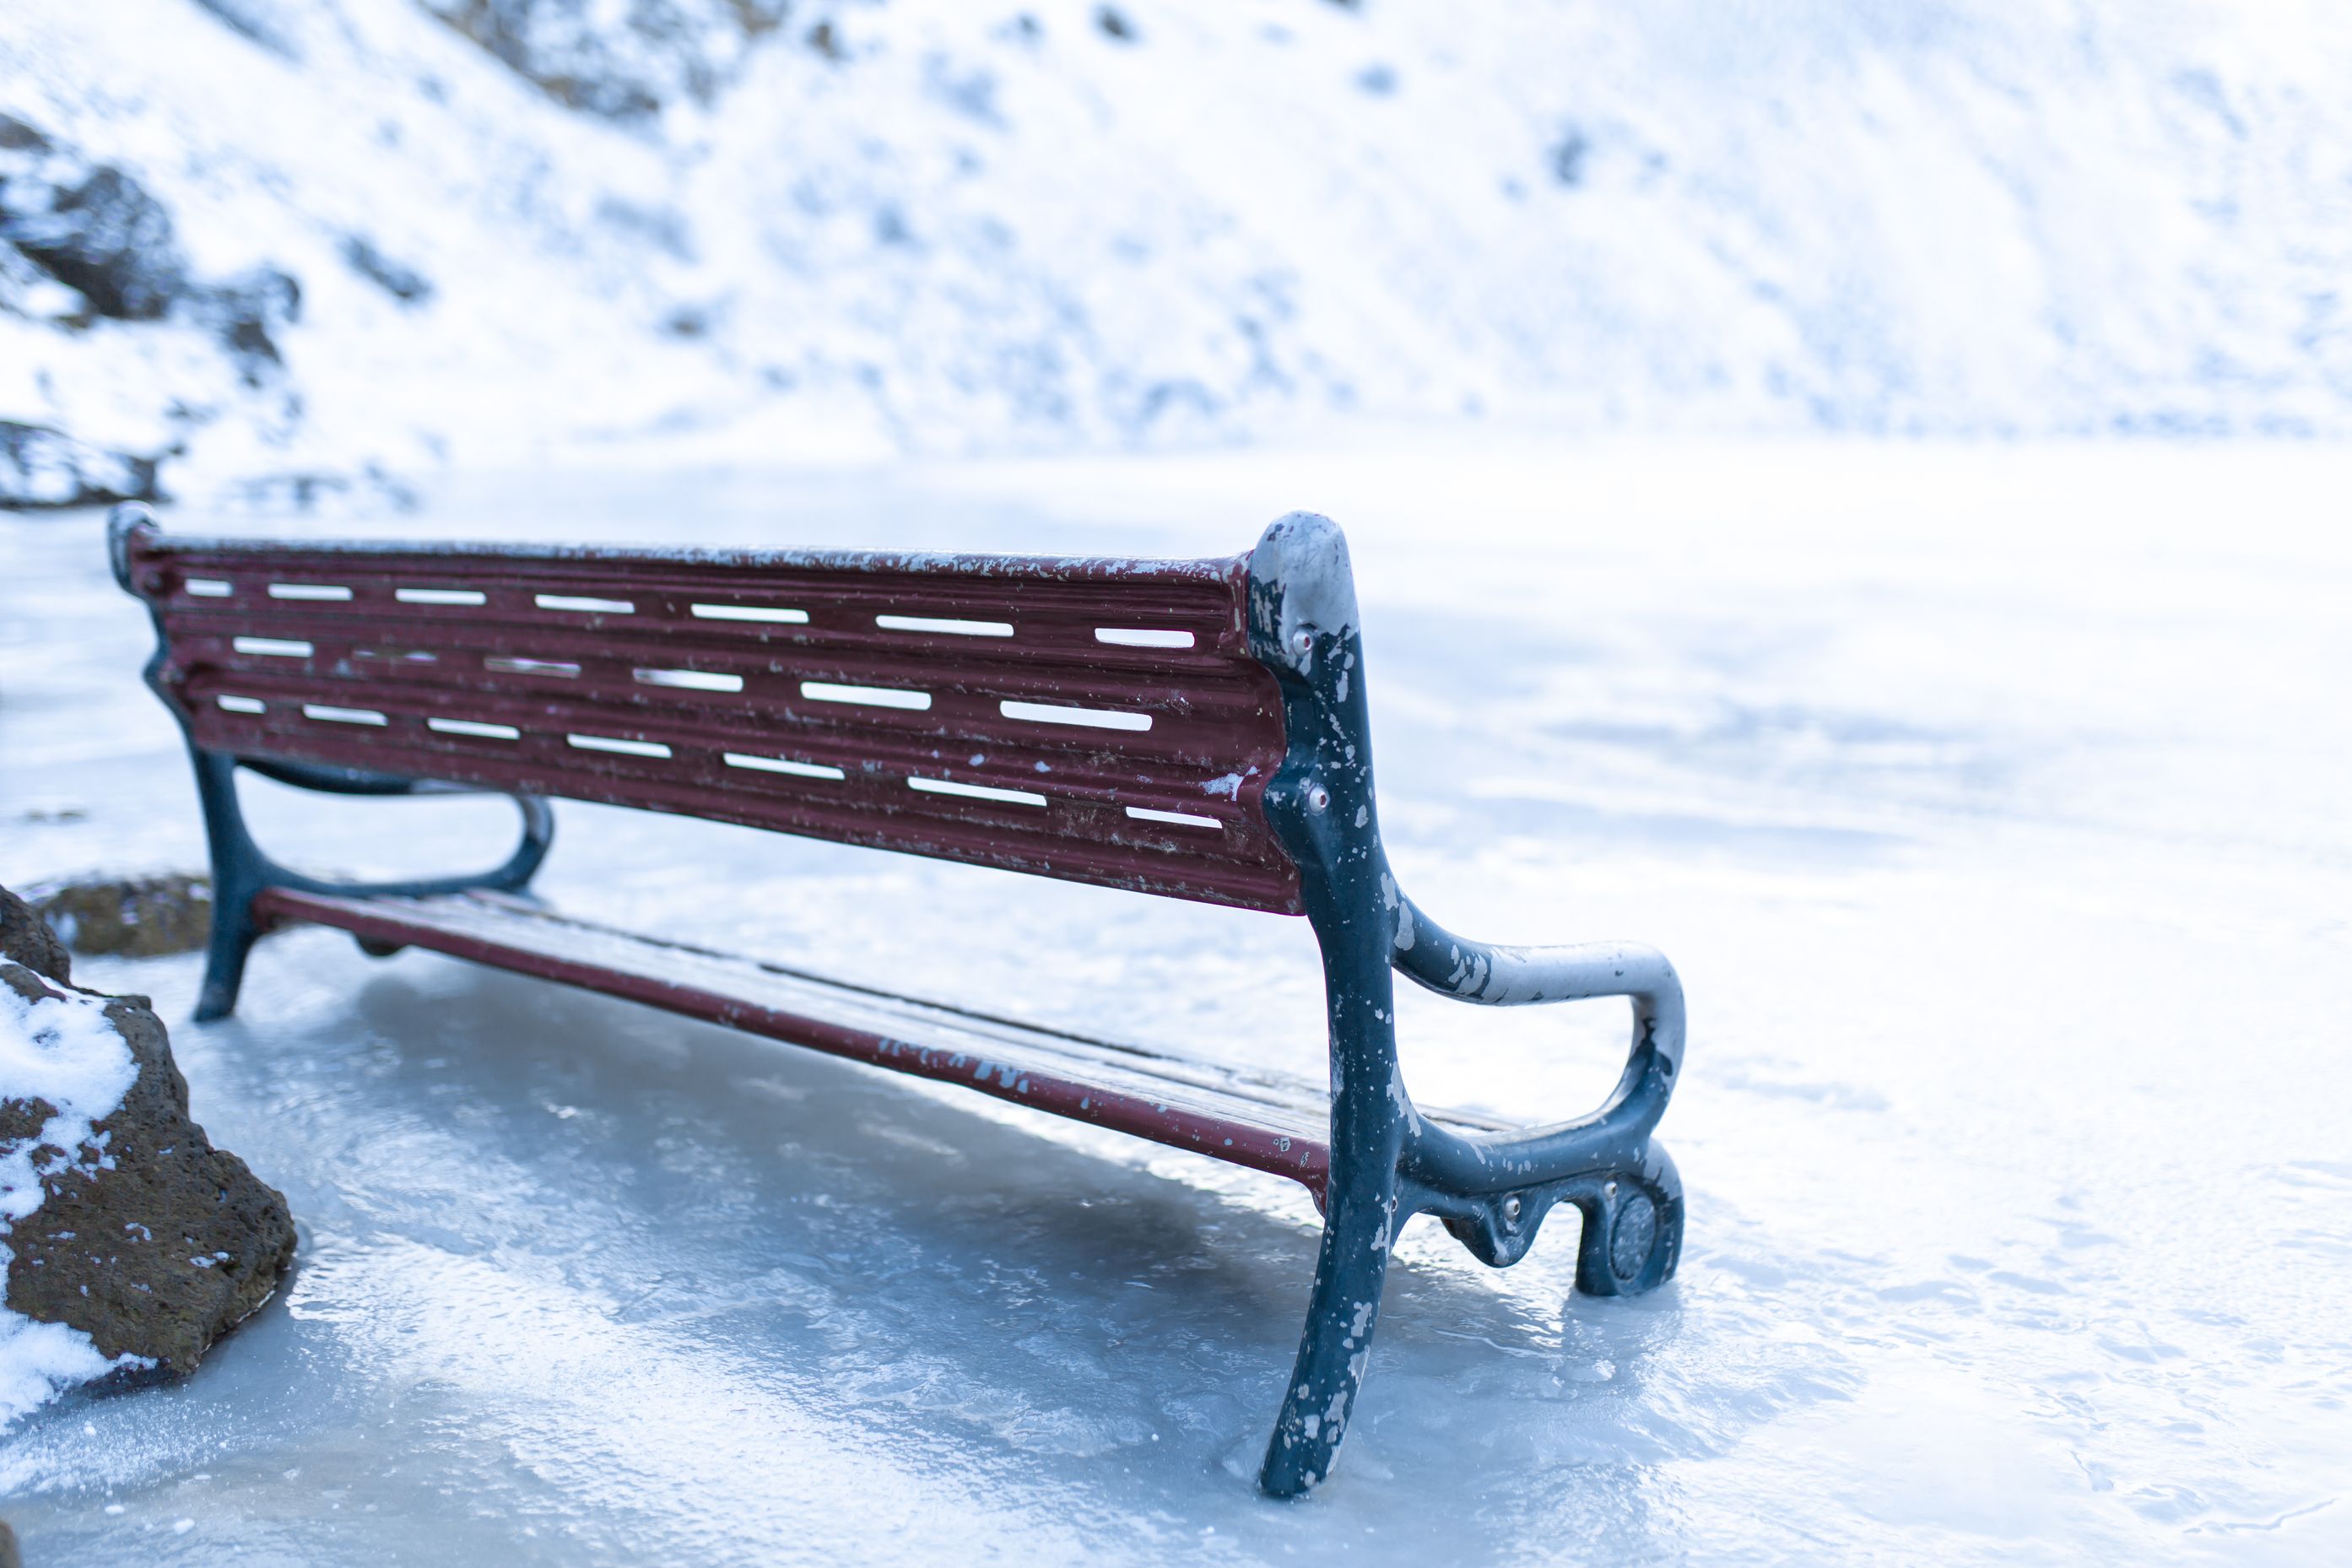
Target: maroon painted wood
x: 1253, y: 1121
x: 681, y: 681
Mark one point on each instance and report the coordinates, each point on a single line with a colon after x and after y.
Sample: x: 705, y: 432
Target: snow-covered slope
x: 517, y: 227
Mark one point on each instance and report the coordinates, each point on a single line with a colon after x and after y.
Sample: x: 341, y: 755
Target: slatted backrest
x: 1097, y: 720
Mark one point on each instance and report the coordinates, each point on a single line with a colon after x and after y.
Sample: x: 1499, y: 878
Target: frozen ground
x: 1991, y: 802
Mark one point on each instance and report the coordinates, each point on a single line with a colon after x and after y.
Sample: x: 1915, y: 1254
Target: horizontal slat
x: 1263, y: 1121
x: 490, y: 666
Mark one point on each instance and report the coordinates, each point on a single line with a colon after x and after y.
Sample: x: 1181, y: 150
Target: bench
x: 1193, y: 728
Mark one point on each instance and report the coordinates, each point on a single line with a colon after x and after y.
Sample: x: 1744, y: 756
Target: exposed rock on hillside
x: 622, y: 63
x: 42, y: 468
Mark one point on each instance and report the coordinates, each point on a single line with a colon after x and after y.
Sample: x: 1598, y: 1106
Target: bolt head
x: 1302, y: 642
x: 1512, y: 1208
x: 1318, y: 798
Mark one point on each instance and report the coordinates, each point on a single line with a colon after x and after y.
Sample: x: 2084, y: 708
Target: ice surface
x: 1989, y: 802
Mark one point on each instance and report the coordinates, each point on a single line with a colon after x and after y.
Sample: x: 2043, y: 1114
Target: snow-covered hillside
x: 382, y: 237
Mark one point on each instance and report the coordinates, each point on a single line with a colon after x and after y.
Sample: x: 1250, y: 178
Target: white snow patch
x: 951, y: 232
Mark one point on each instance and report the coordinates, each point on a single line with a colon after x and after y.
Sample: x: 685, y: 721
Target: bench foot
x: 1633, y: 1230
x: 237, y: 876
x: 1338, y: 1342
x: 232, y: 936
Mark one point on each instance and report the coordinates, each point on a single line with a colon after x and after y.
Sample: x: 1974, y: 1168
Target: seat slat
x: 1266, y: 1121
x: 1257, y: 1119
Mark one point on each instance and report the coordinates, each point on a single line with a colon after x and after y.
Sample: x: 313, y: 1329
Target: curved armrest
x: 511, y: 876
x: 1479, y: 972
x: 332, y: 781
x: 1494, y: 976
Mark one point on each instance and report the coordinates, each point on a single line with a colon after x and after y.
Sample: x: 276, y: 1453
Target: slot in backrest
x: 1094, y: 721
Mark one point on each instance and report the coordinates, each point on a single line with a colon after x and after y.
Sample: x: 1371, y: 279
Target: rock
x: 245, y: 310
x: 45, y: 467
x: 272, y: 24
x: 403, y: 283
x: 90, y: 226
x: 25, y: 939
x: 619, y: 64
x: 138, y: 917
x: 147, y: 1239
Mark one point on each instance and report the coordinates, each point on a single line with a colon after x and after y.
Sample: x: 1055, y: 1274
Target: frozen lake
x: 1990, y: 802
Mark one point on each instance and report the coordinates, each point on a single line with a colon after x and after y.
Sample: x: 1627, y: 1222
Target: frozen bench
x: 1195, y: 729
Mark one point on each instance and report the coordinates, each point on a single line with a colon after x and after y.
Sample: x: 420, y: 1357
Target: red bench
x: 1195, y: 729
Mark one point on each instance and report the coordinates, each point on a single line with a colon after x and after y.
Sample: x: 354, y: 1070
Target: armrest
x: 333, y: 781
x: 1479, y: 972
x: 1429, y: 954
x: 215, y: 781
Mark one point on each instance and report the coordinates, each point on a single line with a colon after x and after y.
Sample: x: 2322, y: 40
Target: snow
x: 63, y: 1050
x: 1987, y: 799
x: 958, y: 228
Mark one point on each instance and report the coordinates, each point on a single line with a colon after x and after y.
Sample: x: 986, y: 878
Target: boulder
x: 135, y: 916
x: 145, y: 1237
x: 25, y: 939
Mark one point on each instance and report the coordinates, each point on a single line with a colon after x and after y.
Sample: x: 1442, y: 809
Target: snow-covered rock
x: 42, y: 468
x: 519, y: 228
x: 128, y: 1242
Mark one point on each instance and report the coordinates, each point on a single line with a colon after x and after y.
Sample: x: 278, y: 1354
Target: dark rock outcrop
x: 43, y: 467
x: 81, y: 241
x: 403, y: 283
x: 137, y: 917
x: 90, y: 226
x: 169, y: 1242
x: 245, y: 312
x: 621, y: 64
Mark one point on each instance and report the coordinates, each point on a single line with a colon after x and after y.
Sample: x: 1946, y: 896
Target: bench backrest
x: 1096, y: 720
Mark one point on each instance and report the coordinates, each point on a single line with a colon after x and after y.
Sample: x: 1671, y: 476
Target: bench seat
x: 1264, y: 1121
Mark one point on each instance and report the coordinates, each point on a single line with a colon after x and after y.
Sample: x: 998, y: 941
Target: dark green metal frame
x: 242, y: 871
x: 1388, y: 1162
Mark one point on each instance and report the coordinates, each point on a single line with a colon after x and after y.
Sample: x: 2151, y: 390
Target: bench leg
x: 237, y: 876
x: 1633, y: 1236
x: 241, y: 872
x: 1358, y: 1231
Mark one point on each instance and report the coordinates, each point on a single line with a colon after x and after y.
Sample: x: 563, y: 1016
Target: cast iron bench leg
x: 1362, y: 1213
x: 1303, y: 628
x: 242, y: 872
x: 1340, y: 1316
x: 1387, y: 1162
